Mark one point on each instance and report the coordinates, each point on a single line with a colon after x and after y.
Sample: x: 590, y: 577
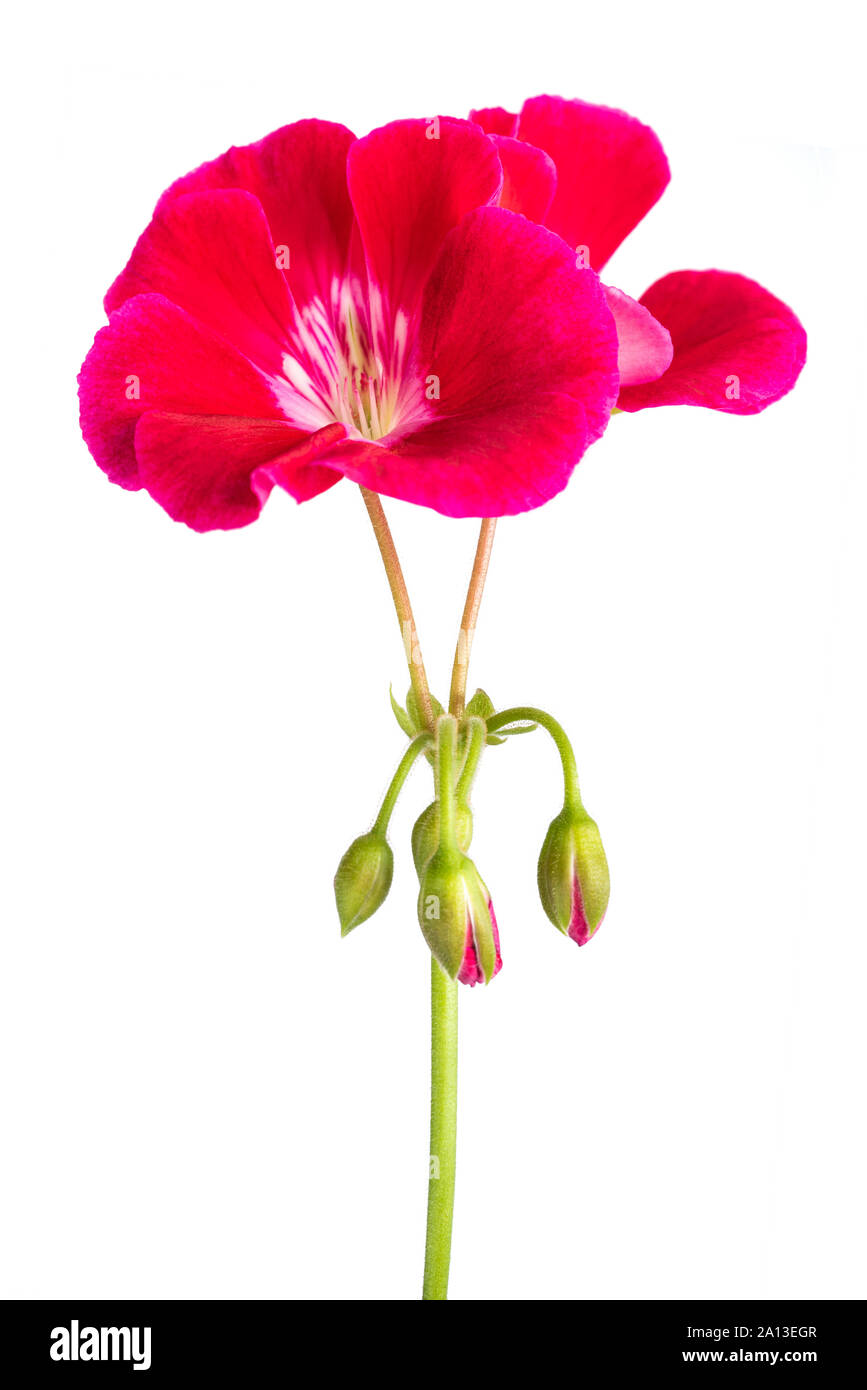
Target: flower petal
x: 215, y: 473
x: 471, y: 972
x: 211, y: 254
x: 644, y: 348
x: 611, y: 170
x: 154, y: 356
x: 521, y: 347
x: 495, y: 120
x: 529, y: 178
x: 736, y: 347
x: 298, y: 173
x: 411, y: 182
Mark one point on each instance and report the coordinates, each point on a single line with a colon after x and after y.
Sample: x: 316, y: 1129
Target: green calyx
x: 363, y: 879
x: 411, y: 719
x: 480, y: 706
x: 453, y: 913
x: 573, y: 858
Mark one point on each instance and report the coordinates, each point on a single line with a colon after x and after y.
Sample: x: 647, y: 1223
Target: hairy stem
x: 418, y: 745
x: 443, y: 1132
x: 528, y: 714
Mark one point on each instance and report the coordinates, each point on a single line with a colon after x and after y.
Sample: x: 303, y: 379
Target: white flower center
x: 346, y: 366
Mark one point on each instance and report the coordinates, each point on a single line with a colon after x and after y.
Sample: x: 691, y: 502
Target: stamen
x: 347, y: 363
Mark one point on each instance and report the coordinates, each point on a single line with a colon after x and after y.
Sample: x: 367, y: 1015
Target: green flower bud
x: 363, y: 879
x: 573, y: 875
x: 426, y: 832
x: 457, y: 920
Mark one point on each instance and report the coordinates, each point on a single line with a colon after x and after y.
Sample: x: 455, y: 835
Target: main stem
x: 444, y: 992
x: 443, y: 1132
x: 458, y: 692
x: 403, y: 607
x: 444, y: 1002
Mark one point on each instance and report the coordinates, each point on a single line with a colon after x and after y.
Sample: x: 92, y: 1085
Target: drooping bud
x: 470, y: 972
x: 573, y: 874
x: 456, y: 918
x: 426, y: 832
x: 363, y: 879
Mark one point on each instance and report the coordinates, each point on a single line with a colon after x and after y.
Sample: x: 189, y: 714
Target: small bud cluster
x: 455, y: 911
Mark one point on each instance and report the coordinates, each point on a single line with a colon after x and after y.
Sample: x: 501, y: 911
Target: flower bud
x: 573, y: 875
x: 363, y: 879
x: 457, y: 920
x: 426, y: 832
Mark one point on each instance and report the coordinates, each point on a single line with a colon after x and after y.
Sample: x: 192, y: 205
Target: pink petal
x: 495, y: 120
x: 211, y: 254
x: 579, y: 927
x: 216, y: 472
x: 154, y: 356
x: 523, y: 348
x: 736, y: 347
x: 411, y: 182
x: 298, y: 173
x: 611, y: 170
x: 644, y: 348
x: 470, y: 972
x: 529, y: 178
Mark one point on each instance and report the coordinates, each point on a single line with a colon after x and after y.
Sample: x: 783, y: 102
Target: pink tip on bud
x: 580, y: 929
x: 455, y: 916
x: 573, y: 875
x: 470, y: 972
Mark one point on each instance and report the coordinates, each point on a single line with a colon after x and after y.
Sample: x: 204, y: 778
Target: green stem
x: 475, y: 744
x: 443, y: 1132
x: 395, y: 786
x: 447, y: 730
x: 522, y: 714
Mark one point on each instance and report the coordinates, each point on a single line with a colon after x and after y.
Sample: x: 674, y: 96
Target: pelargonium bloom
x: 314, y: 306
x: 696, y: 337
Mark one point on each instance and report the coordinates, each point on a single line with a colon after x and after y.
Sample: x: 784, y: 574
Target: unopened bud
x: 363, y: 879
x: 456, y: 918
x: 573, y: 875
x: 426, y: 833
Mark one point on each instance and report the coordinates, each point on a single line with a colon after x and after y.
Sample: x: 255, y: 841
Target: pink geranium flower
x: 696, y: 337
x: 315, y: 306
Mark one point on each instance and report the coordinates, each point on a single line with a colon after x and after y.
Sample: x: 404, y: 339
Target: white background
x: 204, y: 1091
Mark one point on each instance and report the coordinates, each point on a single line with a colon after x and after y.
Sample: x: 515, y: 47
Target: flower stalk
x: 458, y: 692
x: 528, y: 714
x: 418, y: 746
x: 400, y: 597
